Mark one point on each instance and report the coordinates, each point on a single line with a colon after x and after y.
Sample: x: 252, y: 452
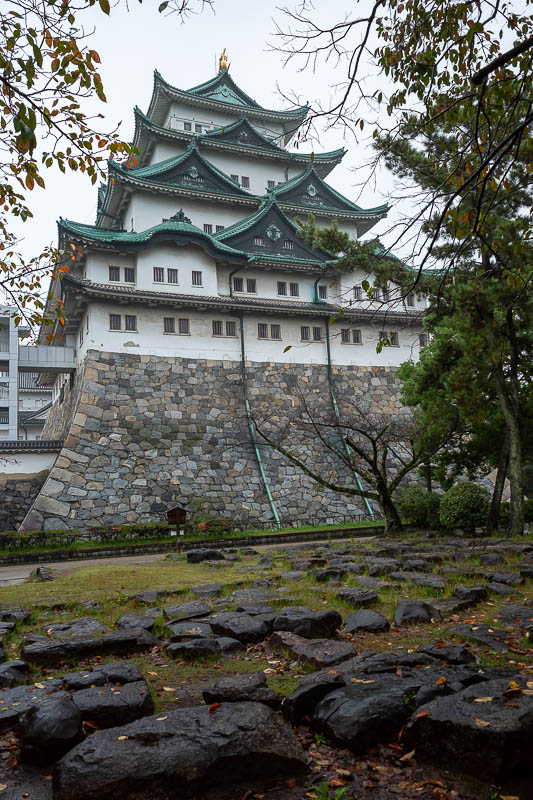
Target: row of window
x: 381, y: 295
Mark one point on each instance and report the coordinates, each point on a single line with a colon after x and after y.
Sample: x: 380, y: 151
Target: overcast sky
x: 133, y: 43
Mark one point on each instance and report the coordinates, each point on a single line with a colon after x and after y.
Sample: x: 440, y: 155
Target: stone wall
x: 17, y: 494
x: 149, y: 432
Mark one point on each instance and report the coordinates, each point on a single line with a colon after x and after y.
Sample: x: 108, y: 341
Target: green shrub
x: 418, y: 507
x: 211, y: 526
x: 505, y: 511
x: 465, y: 505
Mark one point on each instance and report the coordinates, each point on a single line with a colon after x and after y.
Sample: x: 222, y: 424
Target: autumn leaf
x: 422, y: 714
x: 213, y: 707
x: 481, y: 723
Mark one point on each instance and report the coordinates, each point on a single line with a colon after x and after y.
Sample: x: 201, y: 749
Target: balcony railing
x: 47, y: 359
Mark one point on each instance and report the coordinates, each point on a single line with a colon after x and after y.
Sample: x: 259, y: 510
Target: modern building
x: 194, y: 269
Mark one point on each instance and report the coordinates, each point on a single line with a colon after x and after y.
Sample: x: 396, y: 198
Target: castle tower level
x: 182, y: 301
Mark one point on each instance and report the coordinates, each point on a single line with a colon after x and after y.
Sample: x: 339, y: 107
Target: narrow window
x: 187, y: 126
x: 357, y: 292
x: 423, y: 339
x: 411, y: 300
x: 196, y: 278
x: 394, y: 339
x: 377, y: 293
x: 87, y: 325
x: 275, y: 331
x: 172, y: 275
x: 220, y: 228
x: 169, y: 325
x: 295, y: 289
x: 357, y: 337
x: 114, y: 322
x: 288, y: 245
x: 323, y: 292
x: 231, y: 329
x: 114, y: 273
x: 251, y: 285
x: 345, y: 335
x: 159, y: 275
x: 259, y: 241
x: 317, y: 334
x: 235, y: 178
x: 208, y: 228
x: 198, y: 128
x: 282, y: 288
x: 245, y: 181
x: 131, y: 322
x: 129, y: 275
x: 81, y: 336
x: 238, y: 284
x: 304, y: 333
x: 218, y: 327
x: 262, y: 331
x: 184, y: 326
x: 271, y: 184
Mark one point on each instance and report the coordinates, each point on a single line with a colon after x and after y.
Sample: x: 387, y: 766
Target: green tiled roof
x: 243, y: 134
x: 179, y: 225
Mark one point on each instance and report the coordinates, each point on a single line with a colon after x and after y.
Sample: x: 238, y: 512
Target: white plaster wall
x: 97, y: 265
x: 27, y: 463
x: 150, y: 339
x: 185, y: 260
x: 209, y: 119
x: 146, y: 210
x: 267, y: 282
x: 164, y: 150
x: 259, y: 170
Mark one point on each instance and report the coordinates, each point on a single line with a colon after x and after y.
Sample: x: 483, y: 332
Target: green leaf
x: 162, y: 6
x: 104, y: 5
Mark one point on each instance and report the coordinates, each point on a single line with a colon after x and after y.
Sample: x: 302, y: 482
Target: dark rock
x: 255, y: 608
x: 265, y: 561
x: 146, y: 598
x: 505, y: 577
x: 471, y: 594
x: 293, y: 575
x: 519, y: 616
x: 49, y: 730
x: 186, y: 611
x: 53, y: 651
x: 432, y: 581
x: 204, y: 554
x: 409, y: 611
x: 189, y: 630
x: 451, y: 653
x: 13, y: 672
x: 417, y: 564
x: 114, y: 672
x: 330, y: 574
x: 500, y: 588
x: 85, y: 626
x: 91, y: 605
x: 492, y: 739
x: 378, y: 566
x: 371, y: 583
x: 358, y: 597
x: 366, y: 620
x: 484, y: 634
x: 490, y: 559
x: 114, y: 706
x: 239, y: 626
x: 14, y: 615
x: 44, y: 574
x: 307, y: 623
x: 302, y: 702
x: 207, y: 590
x: 317, y: 652
x: 201, y: 648
x: 136, y: 621
x: 237, y: 748
x: 451, y: 606
x: 19, y: 699
x: 237, y: 688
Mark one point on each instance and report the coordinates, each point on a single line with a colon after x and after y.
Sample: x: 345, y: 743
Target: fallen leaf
x: 441, y: 681
x: 422, y: 714
x: 481, y: 723
x: 483, y: 699
x: 152, y: 673
x: 213, y: 707
x: 160, y: 719
x: 291, y: 782
x: 408, y: 756
x: 3, y: 787
x: 39, y: 685
x: 122, y: 738
x: 360, y: 680
x: 168, y: 689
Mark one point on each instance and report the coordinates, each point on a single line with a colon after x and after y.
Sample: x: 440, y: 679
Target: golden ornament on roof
x: 223, y: 61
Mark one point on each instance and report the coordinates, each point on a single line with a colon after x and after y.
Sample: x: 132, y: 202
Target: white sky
x: 133, y: 43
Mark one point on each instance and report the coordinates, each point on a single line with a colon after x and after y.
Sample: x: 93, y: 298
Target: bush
x: 213, y: 526
x: 419, y: 507
x: 465, y: 505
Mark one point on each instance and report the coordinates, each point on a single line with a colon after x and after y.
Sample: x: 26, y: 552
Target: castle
x: 192, y: 296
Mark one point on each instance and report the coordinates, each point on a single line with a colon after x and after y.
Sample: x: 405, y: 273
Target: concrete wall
x: 149, y: 432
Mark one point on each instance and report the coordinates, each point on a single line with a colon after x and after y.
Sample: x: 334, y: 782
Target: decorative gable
x: 242, y: 134
x: 311, y: 191
x: 224, y: 89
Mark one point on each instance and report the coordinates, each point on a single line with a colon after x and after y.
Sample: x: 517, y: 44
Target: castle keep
x: 191, y: 301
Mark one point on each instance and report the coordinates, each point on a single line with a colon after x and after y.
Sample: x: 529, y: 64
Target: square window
x: 323, y: 292
x: 231, y: 329
x: 235, y: 178
x: 129, y: 275
x: 114, y: 273
x: 208, y: 228
x: 317, y: 334
x: 295, y: 289
x: 288, y: 245
x: 196, y: 278
x: 187, y: 126
x: 131, y: 322
x: 304, y: 333
x: 259, y: 241
x: 411, y: 300
x: 345, y: 335
x: 275, y: 331
x: 159, y: 275
x: 169, y: 325
x: 218, y: 327
x: 251, y: 285
x: 184, y: 326
x: 238, y: 284
x: 172, y: 275
x: 357, y: 292
x: 282, y: 288
x: 262, y: 331
x: 271, y: 184
x: 115, y: 322
x: 220, y: 228
x: 245, y: 182
x: 198, y: 128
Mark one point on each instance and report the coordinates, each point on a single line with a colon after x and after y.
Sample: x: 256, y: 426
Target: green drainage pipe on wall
x: 252, y: 427
x: 337, y: 416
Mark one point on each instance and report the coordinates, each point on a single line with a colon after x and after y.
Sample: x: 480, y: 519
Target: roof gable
x: 190, y: 170
x: 269, y: 234
x: 224, y: 89
x: 243, y: 134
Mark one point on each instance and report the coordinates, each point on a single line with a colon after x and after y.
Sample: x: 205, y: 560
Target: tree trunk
x: 393, y: 523
x: 427, y: 470
x: 515, y: 472
x: 494, y: 511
